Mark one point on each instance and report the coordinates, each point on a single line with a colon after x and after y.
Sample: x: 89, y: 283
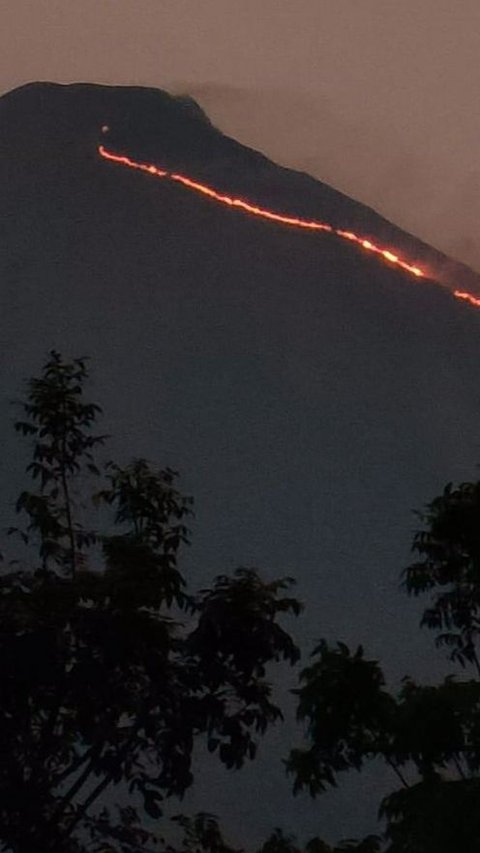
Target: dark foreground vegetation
x: 112, y: 668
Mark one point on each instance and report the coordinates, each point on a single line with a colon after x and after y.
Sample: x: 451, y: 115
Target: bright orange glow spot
x: 385, y: 254
x: 473, y: 300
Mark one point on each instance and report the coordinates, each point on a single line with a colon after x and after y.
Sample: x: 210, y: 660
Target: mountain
x: 310, y: 393
x: 155, y: 125
x: 371, y: 161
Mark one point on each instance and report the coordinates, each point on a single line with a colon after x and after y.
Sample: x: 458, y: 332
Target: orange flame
x: 462, y: 294
x: 384, y: 254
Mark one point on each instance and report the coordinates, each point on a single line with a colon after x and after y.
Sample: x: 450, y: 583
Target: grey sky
x: 377, y: 97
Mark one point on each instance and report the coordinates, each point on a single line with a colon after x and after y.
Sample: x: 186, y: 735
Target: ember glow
x: 387, y: 255
x: 469, y: 297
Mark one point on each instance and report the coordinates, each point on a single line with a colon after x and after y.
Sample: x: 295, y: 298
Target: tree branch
x: 93, y: 754
x: 71, y: 534
x: 459, y: 767
x: 397, y: 772
x: 72, y: 768
x: 88, y: 802
x: 476, y: 662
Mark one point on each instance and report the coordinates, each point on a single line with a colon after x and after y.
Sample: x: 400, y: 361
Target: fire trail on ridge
x: 387, y: 255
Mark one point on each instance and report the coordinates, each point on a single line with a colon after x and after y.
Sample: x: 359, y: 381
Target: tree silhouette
x: 110, y: 669
x: 449, y: 568
x: 428, y: 735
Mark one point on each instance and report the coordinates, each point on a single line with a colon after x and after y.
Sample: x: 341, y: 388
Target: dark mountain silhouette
x: 310, y: 395
x: 51, y: 121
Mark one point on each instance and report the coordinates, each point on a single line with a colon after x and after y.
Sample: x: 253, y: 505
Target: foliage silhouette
x: 112, y: 669
x: 428, y: 735
x: 449, y: 565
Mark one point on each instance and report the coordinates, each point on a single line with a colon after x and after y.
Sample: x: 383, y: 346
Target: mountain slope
x: 310, y: 395
x: 151, y: 125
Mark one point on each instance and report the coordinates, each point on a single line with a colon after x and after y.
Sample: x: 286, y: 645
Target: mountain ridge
x: 173, y: 131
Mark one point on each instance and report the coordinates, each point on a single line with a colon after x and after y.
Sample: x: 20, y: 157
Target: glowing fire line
x: 385, y: 254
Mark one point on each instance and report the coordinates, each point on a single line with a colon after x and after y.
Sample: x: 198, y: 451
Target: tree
x: 110, y: 668
x: 449, y: 551
x: 428, y: 735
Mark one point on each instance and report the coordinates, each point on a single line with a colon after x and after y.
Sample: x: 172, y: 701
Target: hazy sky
x: 377, y: 97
